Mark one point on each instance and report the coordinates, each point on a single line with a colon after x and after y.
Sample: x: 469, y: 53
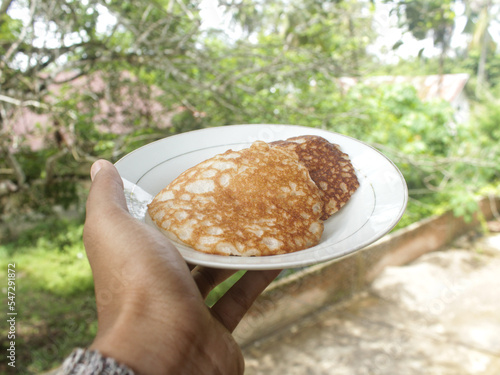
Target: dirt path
x: 440, y: 315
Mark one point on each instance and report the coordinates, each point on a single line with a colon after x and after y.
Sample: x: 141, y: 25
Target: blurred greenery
x: 99, y: 89
x: 54, y: 294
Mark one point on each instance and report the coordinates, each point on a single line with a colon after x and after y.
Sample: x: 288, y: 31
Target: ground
x: 439, y: 315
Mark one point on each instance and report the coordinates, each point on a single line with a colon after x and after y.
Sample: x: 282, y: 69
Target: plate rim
x: 246, y: 262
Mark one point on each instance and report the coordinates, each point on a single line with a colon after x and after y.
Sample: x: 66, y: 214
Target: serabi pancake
x: 329, y: 167
x: 253, y: 202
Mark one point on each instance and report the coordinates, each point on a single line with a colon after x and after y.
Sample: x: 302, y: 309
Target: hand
x: 151, y: 310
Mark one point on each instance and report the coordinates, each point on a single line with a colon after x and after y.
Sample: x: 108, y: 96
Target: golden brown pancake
x: 253, y: 202
x: 329, y: 167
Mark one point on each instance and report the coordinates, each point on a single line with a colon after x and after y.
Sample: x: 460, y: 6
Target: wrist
x: 150, y: 349
x: 159, y: 343
x: 92, y: 361
x: 137, y: 341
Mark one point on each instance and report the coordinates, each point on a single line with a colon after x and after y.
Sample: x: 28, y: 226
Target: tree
x: 480, y: 14
x: 151, y: 71
x: 155, y: 53
x: 290, y: 54
x: 48, y: 46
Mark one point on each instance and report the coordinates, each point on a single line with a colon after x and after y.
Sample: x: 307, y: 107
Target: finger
x: 235, y: 303
x: 106, y: 191
x: 107, y: 217
x: 208, y: 278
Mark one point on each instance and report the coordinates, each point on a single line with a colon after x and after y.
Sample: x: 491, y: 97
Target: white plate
x: 373, y: 210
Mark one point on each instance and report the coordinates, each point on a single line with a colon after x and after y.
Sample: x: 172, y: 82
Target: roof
x: 115, y: 116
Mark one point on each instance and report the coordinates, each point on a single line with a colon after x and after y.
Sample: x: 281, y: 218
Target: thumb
x: 106, y: 210
x: 106, y: 191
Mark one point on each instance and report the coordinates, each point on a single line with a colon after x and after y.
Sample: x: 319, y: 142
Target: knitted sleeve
x: 91, y: 362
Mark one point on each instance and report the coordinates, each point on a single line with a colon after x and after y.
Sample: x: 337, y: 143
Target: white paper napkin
x: 137, y: 199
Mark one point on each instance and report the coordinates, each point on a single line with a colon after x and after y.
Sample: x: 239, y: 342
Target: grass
x: 54, y: 295
x: 49, y: 326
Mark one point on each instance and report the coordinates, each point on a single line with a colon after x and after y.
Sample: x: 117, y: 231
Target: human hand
x: 151, y: 310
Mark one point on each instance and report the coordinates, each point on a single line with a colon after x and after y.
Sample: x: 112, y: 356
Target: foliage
x: 424, y: 17
x: 444, y: 164
x: 80, y: 79
x: 492, y: 70
x: 100, y: 91
x: 487, y: 117
x: 283, y: 68
x: 52, y: 257
x: 60, y: 69
x: 222, y: 288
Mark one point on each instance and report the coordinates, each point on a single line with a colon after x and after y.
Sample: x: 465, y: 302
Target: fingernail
x: 96, y: 167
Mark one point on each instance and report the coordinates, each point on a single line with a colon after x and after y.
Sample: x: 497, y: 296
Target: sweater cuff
x: 91, y: 362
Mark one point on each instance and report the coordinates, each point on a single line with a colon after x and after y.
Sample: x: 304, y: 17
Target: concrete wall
x: 300, y: 294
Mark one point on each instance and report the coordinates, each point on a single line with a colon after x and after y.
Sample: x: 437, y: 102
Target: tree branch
x: 25, y: 103
x: 16, y: 167
x: 3, y: 8
x: 13, y: 48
